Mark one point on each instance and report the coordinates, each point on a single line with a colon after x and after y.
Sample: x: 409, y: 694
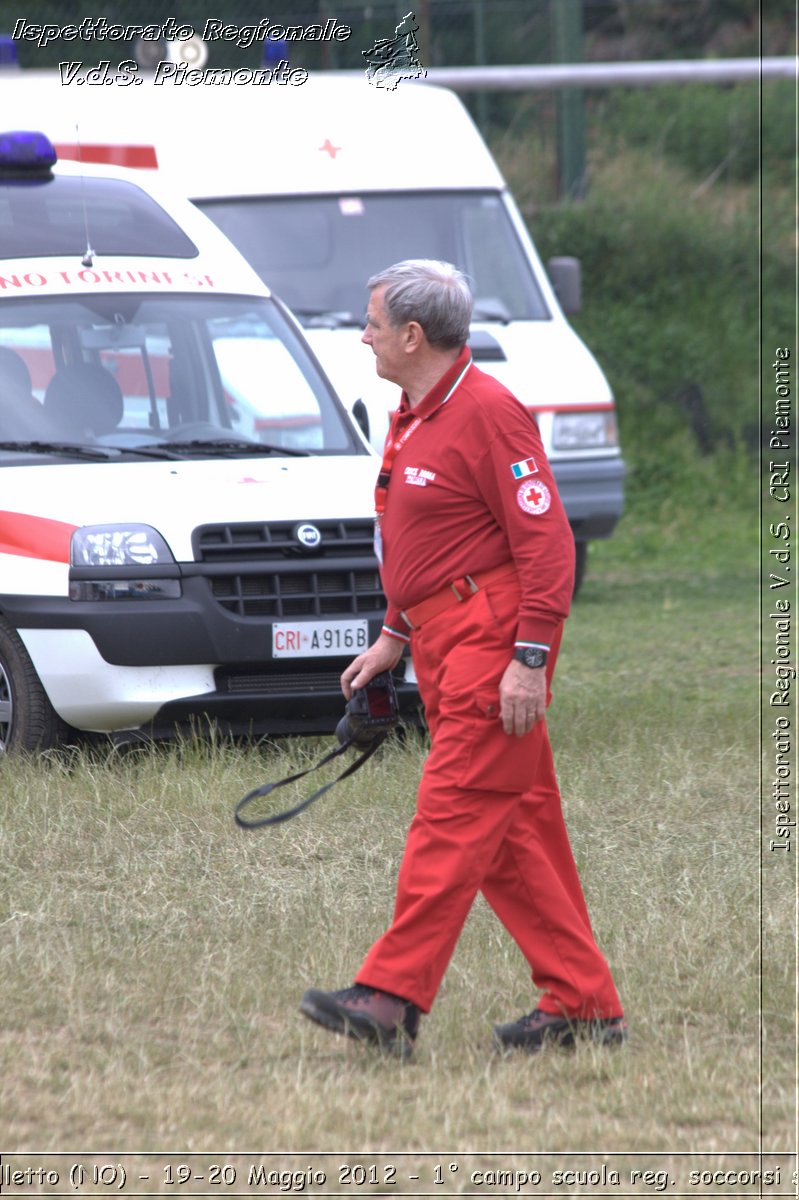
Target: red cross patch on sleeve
x: 534, y: 498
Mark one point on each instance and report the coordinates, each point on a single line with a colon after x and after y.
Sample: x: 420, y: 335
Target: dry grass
x: 153, y: 954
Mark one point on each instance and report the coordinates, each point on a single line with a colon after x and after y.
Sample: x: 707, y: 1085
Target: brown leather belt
x: 455, y: 592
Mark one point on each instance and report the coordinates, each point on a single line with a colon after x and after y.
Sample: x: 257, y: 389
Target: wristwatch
x: 531, y: 656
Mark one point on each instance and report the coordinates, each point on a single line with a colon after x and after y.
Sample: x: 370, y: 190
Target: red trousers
x: 489, y: 819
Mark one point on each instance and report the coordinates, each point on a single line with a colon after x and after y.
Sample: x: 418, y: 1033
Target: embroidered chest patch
x: 419, y: 476
x: 534, y: 498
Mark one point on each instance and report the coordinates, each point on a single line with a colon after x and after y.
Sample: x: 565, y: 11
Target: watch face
x: 533, y: 656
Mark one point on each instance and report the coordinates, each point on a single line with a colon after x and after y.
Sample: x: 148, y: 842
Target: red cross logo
x: 533, y: 498
x: 329, y: 148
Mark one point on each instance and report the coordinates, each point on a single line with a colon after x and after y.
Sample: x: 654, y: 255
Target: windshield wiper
x: 149, y: 451
x: 71, y: 449
x: 327, y: 318
x: 229, y: 446
x: 492, y: 312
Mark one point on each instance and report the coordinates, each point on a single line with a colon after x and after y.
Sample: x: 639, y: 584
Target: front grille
x: 297, y: 683
x: 309, y: 594
x: 261, y: 570
x: 273, y: 540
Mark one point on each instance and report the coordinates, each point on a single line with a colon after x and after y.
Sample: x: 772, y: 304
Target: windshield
x: 132, y: 371
x: 317, y: 252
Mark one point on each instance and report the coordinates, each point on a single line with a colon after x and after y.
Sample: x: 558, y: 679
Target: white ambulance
x: 320, y: 185
x: 185, y: 507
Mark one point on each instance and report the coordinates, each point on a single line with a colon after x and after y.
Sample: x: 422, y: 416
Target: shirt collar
x: 441, y: 390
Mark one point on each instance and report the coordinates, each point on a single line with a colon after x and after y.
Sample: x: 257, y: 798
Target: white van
x: 185, y: 507
x: 323, y: 184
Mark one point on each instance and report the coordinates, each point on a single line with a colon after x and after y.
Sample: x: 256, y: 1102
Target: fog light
x: 125, y: 589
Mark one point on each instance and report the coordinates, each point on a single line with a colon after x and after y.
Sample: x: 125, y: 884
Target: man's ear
x: 414, y: 336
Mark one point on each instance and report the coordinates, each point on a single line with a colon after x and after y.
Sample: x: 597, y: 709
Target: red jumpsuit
x: 471, y: 489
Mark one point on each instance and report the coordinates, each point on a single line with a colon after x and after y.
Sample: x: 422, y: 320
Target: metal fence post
x: 567, y: 28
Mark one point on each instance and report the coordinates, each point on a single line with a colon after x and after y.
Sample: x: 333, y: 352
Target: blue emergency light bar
x: 8, y: 52
x: 26, y: 151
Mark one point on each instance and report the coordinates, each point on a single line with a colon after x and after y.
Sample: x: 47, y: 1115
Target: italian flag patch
x: 521, y: 469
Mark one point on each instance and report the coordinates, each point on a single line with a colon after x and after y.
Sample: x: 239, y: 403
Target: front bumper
x: 151, y: 665
x: 592, y: 491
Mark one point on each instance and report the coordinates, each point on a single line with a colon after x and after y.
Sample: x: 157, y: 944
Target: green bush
x: 670, y: 310
x: 723, y: 131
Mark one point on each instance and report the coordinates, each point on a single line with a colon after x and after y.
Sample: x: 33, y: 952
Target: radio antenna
x: 88, y: 257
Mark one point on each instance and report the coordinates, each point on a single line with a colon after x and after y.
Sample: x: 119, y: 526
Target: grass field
x: 153, y: 955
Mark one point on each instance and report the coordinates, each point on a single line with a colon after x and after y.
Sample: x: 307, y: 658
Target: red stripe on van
x: 35, y: 537
x: 117, y: 155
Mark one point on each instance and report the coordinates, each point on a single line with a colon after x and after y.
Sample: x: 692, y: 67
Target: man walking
x: 477, y: 563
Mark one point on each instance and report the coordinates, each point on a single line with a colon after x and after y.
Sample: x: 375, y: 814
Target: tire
x: 28, y: 720
x: 581, y: 561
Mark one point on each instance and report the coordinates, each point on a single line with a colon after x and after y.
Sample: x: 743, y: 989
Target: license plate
x: 311, y: 639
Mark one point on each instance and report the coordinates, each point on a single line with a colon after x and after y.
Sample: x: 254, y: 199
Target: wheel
x: 28, y: 720
x: 581, y: 560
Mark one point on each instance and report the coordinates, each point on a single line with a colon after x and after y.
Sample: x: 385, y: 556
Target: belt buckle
x: 466, y: 579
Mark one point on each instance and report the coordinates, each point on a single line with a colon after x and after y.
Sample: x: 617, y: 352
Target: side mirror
x: 566, y: 276
x: 361, y: 415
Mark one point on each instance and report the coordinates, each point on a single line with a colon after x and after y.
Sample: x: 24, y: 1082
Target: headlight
x: 122, y: 562
x: 119, y: 546
x: 585, y: 430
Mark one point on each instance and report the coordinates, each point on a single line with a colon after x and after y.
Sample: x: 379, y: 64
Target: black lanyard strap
x: 276, y: 818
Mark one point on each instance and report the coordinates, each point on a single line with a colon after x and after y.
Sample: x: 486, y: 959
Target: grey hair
x: 435, y: 294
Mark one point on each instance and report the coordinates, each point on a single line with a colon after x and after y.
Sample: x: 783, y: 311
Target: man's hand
x: 382, y: 655
x: 522, y: 697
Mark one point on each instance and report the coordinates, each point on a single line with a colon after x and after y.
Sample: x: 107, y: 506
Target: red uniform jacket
x: 471, y: 489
